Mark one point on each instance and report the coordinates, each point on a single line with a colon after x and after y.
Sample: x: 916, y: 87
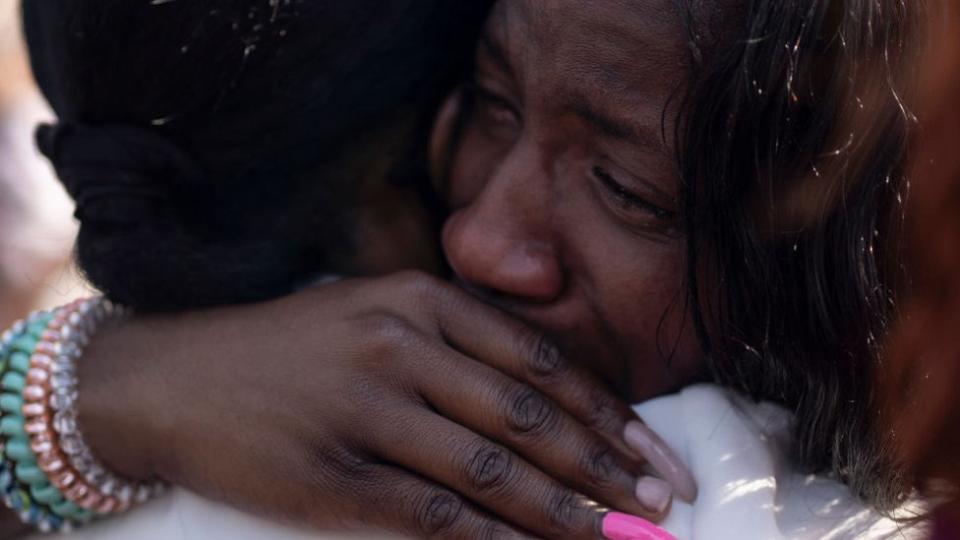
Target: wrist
x: 117, y: 402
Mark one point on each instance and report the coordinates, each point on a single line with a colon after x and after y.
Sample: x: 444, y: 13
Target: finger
x: 500, y: 341
x: 488, y: 474
x: 393, y: 499
x: 518, y: 351
x: 521, y: 418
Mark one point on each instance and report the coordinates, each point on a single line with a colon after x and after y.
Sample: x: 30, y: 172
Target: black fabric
x: 217, y: 148
x: 257, y: 97
x: 116, y: 174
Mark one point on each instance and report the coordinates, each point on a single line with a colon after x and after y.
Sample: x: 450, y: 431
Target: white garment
x: 735, y: 449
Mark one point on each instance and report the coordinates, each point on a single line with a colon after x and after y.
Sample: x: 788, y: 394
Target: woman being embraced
x: 641, y: 196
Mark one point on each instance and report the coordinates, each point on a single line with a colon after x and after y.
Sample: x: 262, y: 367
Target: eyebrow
x: 614, y: 127
x: 608, y: 125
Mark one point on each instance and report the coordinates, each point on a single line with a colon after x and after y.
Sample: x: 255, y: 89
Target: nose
x: 502, y: 241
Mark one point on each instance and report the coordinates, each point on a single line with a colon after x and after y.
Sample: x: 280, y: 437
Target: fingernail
x: 642, y: 439
x: 617, y: 526
x: 654, y: 494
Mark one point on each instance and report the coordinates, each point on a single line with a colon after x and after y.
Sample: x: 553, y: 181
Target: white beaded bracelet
x: 73, y: 336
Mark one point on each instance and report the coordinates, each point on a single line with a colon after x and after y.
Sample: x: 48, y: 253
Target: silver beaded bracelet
x: 74, y: 336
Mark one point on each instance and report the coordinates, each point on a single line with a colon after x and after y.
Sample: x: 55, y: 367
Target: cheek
x: 639, y: 288
x: 650, y: 313
x: 636, y: 288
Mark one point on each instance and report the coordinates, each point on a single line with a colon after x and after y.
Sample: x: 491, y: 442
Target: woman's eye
x: 631, y: 202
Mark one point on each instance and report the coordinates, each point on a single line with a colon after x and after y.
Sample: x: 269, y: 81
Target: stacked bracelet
x: 45, y: 449
x: 15, y: 346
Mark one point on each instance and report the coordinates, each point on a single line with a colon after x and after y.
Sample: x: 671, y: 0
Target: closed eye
x: 630, y: 199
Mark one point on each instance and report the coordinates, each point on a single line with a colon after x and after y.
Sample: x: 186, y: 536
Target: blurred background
x: 36, y: 224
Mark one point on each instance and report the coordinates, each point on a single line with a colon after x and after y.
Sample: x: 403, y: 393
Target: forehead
x: 631, y: 45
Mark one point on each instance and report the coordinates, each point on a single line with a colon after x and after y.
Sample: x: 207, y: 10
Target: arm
x: 379, y: 416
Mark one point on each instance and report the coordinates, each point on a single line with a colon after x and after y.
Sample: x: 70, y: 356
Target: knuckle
x: 543, y: 356
x: 385, y: 331
x: 490, y: 468
x: 438, y: 513
x: 492, y: 530
x: 529, y: 411
x: 322, y: 470
x: 383, y: 360
x: 336, y: 461
x: 564, y: 513
x: 604, y: 415
x: 339, y: 470
x: 599, y: 465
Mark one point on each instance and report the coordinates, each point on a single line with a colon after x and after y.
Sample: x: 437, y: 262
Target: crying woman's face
x: 564, y: 187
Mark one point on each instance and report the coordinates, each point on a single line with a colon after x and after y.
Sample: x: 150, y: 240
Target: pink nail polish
x: 642, y: 439
x: 617, y: 526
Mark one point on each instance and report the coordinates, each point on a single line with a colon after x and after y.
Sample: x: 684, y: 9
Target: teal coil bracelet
x: 48, y: 474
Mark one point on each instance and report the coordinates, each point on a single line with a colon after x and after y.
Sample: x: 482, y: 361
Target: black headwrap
x: 116, y: 174
x: 203, y: 140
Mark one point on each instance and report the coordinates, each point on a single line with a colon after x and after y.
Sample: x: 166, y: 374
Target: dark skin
x: 408, y: 404
x: 564, y: 187
x: 379, y: 417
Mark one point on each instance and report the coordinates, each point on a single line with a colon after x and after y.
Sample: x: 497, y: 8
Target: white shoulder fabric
x: 735, y: 448
x: 739, y: 453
